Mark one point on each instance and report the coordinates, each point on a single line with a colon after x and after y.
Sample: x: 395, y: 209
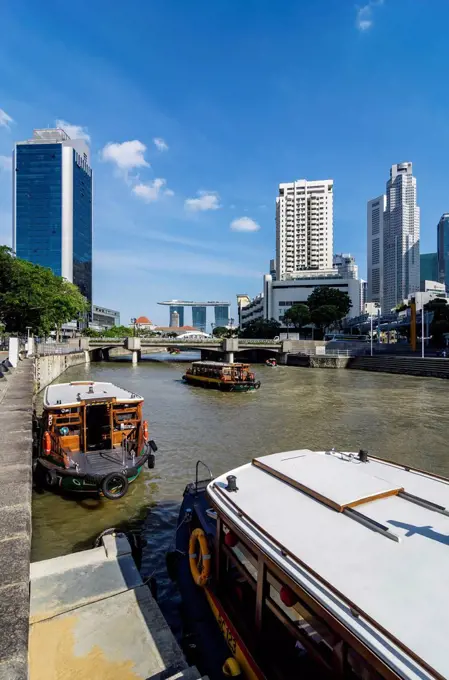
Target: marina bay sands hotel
x: 199, y: 312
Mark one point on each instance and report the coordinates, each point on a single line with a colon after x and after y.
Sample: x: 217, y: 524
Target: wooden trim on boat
x: 409, y: 468
x: 318, y: 496
x: 261, y: 591
x: 357, y: 611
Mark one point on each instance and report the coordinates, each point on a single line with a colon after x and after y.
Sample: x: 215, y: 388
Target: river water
x: 402, y: 418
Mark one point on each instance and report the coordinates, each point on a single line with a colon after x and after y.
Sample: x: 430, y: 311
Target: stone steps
x: 432, y: 367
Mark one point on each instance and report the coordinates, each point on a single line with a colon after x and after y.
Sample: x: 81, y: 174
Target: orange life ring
x: 145, y: 430
x: 46, y: 443
x: 200, y: 577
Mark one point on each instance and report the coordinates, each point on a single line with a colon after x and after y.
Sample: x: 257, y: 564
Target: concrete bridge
x: 99, y: 348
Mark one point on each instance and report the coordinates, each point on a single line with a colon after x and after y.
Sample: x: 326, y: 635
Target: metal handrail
x: 198, y: 463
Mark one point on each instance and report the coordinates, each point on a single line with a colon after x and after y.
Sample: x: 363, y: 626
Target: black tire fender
x: 104, y: 486
x: 151, y: 460
x: 51, y: 477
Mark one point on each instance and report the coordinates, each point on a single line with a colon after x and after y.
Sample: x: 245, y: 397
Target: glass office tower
x: 428, y: 266
x: 443, y: 250
x: 52, y: 206
x: 199, y: 318
x: 180, y: 310
x: 221, y: 315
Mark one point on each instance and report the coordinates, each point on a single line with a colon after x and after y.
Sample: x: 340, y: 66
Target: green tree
x: 440, y: 322
x: 325, y: 316
x: 326, y: 296
x: 260, y: 329
x: 298, y: 316
x: 220, y: 332
x: 32, y: 296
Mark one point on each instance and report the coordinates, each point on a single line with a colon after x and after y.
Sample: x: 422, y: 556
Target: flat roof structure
x: 66, y: 394
x: 368, y: 540
x: 191, y: 303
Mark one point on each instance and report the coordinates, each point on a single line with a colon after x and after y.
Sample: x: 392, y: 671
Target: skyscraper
x: 304, y: 226
x: 443, y: 250
x: 375, y: 249
x: 428, y: 265
x: 52, y: 205
x: 401, y: 237
x: 346, y: 265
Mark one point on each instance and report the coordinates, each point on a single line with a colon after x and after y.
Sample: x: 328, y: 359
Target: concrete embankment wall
x: 433, y: 368
x: 16, y: 409
x: 48, y: 368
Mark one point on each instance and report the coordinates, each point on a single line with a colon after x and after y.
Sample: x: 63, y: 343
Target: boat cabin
x: 332, y: 559
x: 89, y: 416
x: 227, y: 372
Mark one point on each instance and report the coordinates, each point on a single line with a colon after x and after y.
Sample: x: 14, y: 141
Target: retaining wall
x: 48, y: 368
x: 317, y: 361
x: 16, y: 409
x: 432, y: 367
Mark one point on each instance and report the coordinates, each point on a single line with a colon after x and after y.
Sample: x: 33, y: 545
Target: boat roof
x: 369, y: 540
x: 69, y: 394
x: 218, y: 363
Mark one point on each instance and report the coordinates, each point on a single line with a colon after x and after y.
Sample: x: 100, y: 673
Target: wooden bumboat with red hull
x: 218, y: 375
x: 317, y: 565
x: 93, y: 438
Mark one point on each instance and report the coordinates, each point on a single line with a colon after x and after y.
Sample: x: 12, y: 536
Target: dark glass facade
x: 38, y: 206
x: 39, y: 201
x: 199, y: 318
x: 82, y: 226
x: 443, y: 250
x: 428, y: 267
x: 221, y: 315
x: 180, y: 310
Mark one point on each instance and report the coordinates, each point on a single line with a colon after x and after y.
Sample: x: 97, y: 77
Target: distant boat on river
x: 219, y: 375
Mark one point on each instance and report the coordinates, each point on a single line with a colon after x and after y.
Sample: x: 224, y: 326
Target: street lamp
x: 371, y: 320
x: 133, y: 321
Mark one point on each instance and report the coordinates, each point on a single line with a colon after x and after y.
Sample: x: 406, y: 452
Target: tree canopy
x: 33, y: 297
x: 440, y: 322
x: 325, y: 315
x: 260, y: 329
x: 324, y: 295
x: 298, y: 316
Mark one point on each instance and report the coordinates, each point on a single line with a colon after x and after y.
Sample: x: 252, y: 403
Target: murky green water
x: 398, y: 417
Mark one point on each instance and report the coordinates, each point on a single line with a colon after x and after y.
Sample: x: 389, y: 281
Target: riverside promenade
x: 16, y: 408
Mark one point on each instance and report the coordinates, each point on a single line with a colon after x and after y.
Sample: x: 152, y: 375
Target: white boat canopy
x: 71, y: 394
x: 368, y: 540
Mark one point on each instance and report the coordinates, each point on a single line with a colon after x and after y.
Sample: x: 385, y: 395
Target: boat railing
x: 201, y: 484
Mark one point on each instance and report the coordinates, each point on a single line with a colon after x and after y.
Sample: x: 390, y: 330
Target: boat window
x: 128, y: 415
x: 306, y: 622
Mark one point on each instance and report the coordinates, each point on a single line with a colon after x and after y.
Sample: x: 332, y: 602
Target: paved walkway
x: 16, y: 392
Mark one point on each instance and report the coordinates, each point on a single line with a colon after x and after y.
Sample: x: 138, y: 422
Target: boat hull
x: 84, y: 481
x: 221, y: 385
x: 205, y: 617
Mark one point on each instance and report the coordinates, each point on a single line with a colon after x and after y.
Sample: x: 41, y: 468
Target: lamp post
x: 422, y: 332
x: 133, y: 321
x: 371, y: 321
x: 212, y: 326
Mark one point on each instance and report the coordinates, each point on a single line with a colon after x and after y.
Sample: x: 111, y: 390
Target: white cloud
x: 152, y: 191
x: 73, y: 131
x: 6, y: 163
x: 207, y: 200
x: 364, y: 19
x: 5, y: 120
x: 125, y: 156
x: 160, y: 144
x: 244, y: 224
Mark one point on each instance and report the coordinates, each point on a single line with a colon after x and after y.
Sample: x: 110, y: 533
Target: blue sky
x: 240, y: 95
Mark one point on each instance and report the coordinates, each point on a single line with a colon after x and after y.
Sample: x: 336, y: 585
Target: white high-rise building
x: 401, y: 266
x: 304, y: 226
x: 375, y: 249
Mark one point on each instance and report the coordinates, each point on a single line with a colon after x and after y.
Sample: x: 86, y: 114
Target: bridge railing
x: 183, y: 341
x: 47, y: 348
